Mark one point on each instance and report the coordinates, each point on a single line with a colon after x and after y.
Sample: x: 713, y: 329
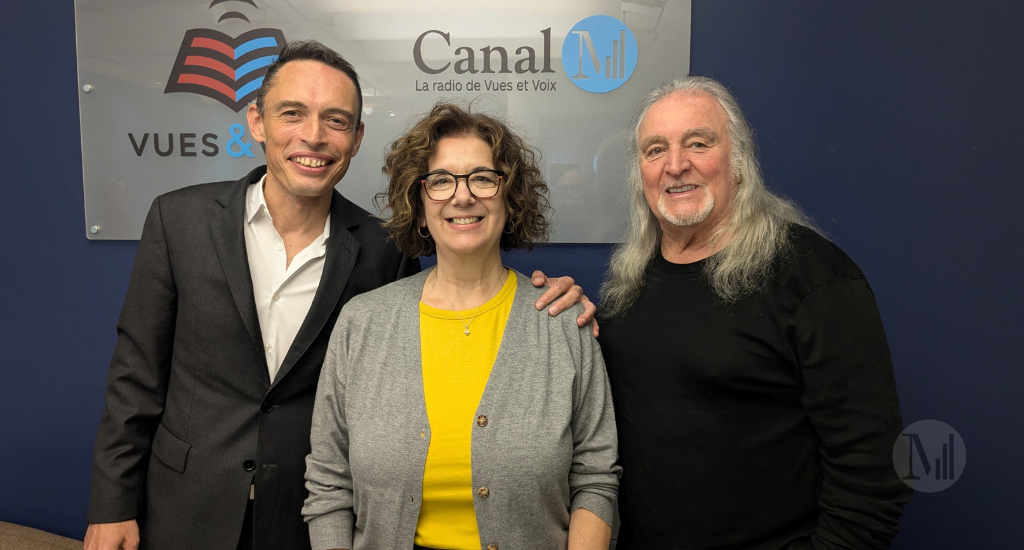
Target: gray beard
x: 693, y: 217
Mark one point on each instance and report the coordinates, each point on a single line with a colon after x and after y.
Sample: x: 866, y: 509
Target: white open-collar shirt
x: 283, y: 292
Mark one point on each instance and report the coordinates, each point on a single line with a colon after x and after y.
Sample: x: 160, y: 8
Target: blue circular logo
x: 599, y: 54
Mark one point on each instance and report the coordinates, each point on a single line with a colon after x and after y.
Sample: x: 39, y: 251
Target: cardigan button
x: 481, y: 421
x: 483, y: 492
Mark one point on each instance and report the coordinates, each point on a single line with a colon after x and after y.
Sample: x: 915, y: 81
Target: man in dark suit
x: 234, y: 293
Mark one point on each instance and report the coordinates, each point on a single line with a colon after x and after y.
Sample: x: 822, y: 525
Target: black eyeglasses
x: 441, y: 186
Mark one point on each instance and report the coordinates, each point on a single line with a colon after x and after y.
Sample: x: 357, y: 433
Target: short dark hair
x: 524, y: 190
x: 309, y: 50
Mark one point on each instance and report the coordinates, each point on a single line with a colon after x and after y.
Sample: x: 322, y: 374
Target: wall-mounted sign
x: 164, y: 85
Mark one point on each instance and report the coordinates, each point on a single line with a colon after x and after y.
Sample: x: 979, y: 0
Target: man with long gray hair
x: 753, y: 387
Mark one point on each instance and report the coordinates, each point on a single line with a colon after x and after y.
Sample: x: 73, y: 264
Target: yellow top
x: 455, y: 371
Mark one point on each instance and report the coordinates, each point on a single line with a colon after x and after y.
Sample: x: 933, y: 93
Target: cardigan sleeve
x: 849, y: 395
x: 594, y: 474
x: 329, y: 508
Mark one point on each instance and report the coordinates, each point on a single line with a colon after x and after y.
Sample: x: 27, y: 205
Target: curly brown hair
x: 524, y: 190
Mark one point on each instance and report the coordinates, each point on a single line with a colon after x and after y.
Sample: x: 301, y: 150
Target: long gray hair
x: 755, y: 232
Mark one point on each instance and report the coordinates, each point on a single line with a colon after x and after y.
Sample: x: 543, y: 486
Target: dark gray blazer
x: 191, y: 415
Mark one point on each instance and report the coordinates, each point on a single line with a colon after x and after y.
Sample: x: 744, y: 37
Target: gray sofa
x: 17, y: 537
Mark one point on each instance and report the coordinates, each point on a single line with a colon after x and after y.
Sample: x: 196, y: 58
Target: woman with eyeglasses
x: 451, y: 414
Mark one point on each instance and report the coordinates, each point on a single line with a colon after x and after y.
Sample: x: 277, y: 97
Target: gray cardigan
x: 547, y: 448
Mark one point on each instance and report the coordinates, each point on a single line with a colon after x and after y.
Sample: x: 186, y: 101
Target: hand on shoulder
x: 567, y: 293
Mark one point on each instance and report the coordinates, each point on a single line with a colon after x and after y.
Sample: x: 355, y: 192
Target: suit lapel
x: 342, y: 251
x: 228, y: 234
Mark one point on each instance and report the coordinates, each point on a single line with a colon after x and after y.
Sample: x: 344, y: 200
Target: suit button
x: 267, y: 406
x: 481, y: 421
x: 249, y: 465
x: 483, y: 492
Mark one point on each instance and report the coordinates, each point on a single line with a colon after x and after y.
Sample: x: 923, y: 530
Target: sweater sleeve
x: 137, y: 381
x: 849, y: 395
x: 594, y: 474
x: 329, y: 508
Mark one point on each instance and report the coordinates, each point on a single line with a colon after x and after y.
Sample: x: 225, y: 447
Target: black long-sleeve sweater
x: 767, y: 423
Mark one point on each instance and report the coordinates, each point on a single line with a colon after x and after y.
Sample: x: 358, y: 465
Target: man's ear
x: 255, y: 123
x: 358, y: 138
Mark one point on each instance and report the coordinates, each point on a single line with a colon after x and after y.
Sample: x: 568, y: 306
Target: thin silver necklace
x: 437, y: 277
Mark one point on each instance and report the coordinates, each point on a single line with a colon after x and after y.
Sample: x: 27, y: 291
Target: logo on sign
x: 599, y: 54
x: 229, y: 70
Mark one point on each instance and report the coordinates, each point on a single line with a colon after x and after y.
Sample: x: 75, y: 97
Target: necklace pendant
x: 467, y: 332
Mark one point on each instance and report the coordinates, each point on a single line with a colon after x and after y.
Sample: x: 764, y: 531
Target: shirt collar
x: 255, y: 204
x: 254, y: 201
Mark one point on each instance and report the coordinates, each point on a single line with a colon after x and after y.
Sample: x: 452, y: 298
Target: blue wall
x: 898, y: 125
